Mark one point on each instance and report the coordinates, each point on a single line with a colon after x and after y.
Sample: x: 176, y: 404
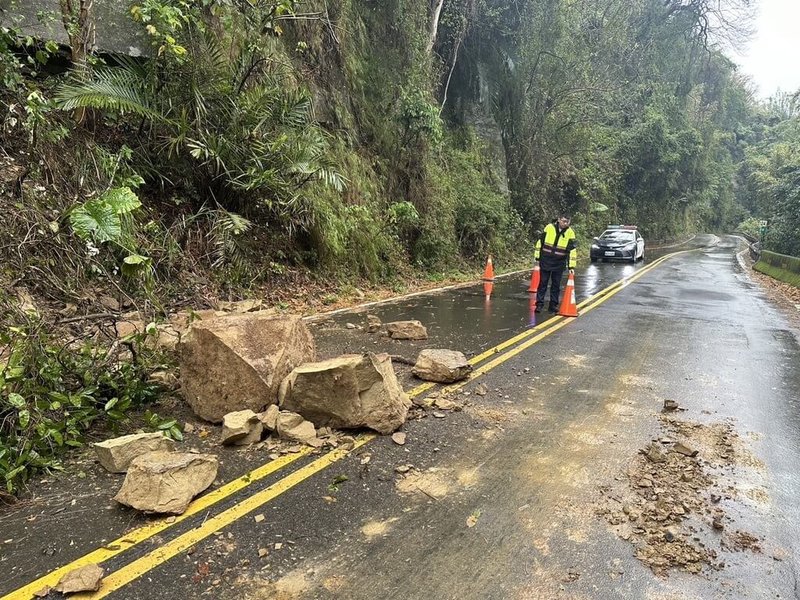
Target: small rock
x: 351, y: 326
x: 110, y: 303
x: 295, y: 428
x: 685, y: 450
x: 481, y: 390
x: 269, y: 418
x: 441, y: 366
x: 373, y: 324
x: 84, y: 579
x: 670, y: 405
x: 399, y: 438
x: 165, y: 482
x: 259, y: 518
x: 654, y: 454
x: 188, y: 428
x: 262, y: 552
x: 241, y: 428
x: 407, y: 330
x: 116, y: 454
x: 445, y: 404
x: 716, y: 523
x: 439, y: 415
x: 402, y: 468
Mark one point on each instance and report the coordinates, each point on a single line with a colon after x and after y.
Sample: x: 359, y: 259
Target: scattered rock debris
x: 664, y: 505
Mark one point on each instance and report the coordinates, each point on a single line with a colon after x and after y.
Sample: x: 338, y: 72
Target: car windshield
x: 617, y: 235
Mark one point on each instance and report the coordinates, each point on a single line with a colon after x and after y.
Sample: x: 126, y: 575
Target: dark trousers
x: 554, y: 279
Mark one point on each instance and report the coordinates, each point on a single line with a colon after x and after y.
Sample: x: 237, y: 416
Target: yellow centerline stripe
x: 147, y: 531
x: 146, y: 563
x: 183, y: 542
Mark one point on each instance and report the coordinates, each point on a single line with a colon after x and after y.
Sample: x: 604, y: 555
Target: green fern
x: 226, y: 230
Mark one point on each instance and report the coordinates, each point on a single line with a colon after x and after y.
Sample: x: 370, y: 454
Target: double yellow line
x: 149, y: 561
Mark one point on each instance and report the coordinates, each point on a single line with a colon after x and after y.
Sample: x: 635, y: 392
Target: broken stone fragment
x: 445, y: 404
x: 237, y: 361
x: 269, y: 418
x: 407, y: 330
x: 165, y: 482
x: 347, y: 392
x: 83, y: 579
x: 399, y: 438
x: 241, y: 428
x: 373, y: 324
x: 653, y: 453
x: 685, y: 450
x: 295, y: 428
x: 670, y: 405
x: 442, y: 366
x: 116, y: 454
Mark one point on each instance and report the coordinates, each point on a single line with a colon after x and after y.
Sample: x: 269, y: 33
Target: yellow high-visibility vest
x: 554, y: 249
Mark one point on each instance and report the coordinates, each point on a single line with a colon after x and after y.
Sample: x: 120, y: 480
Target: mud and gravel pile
x: 669, y: 504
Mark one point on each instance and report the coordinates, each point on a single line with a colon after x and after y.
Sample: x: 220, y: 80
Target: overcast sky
x: 772, y: 57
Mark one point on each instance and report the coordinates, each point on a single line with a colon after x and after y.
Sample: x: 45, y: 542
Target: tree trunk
x: 78, y: 19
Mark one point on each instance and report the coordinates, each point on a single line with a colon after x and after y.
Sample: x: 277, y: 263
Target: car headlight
x: 595, y: 247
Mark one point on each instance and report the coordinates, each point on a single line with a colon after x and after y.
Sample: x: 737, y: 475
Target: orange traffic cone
x: 488, y: 274
x: 534, y: 279
x: 569, y: 308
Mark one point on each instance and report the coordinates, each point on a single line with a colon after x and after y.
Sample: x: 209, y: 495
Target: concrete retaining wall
x: 779, y: 266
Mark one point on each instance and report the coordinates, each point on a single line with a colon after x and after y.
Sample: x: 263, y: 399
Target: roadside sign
x: 762, y: 224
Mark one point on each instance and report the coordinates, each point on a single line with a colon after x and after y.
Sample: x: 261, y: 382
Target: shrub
x: 52, y: 393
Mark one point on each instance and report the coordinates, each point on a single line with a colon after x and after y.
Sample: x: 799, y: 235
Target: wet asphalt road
x: 521, y: 465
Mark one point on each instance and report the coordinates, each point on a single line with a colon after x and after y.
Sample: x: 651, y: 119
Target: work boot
x: 538, y: 308
x: 552, y: 310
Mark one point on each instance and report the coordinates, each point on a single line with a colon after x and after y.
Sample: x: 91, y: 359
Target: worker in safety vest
x: 554, y: 250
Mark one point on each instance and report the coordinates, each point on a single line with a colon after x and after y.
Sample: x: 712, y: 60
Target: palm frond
x: 110, y: 88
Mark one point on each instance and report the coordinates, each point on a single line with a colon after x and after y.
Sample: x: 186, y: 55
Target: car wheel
x: 593, y: 259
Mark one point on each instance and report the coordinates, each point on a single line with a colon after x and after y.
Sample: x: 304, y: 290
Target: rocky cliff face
x: 115, y: 30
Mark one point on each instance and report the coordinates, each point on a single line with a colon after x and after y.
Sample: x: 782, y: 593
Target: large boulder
x: 442, y: 366
x: 407, y: 330
x: 349, y: 391
x: 236, y: 362
x: 116, y: 454
x: 165, y: 482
